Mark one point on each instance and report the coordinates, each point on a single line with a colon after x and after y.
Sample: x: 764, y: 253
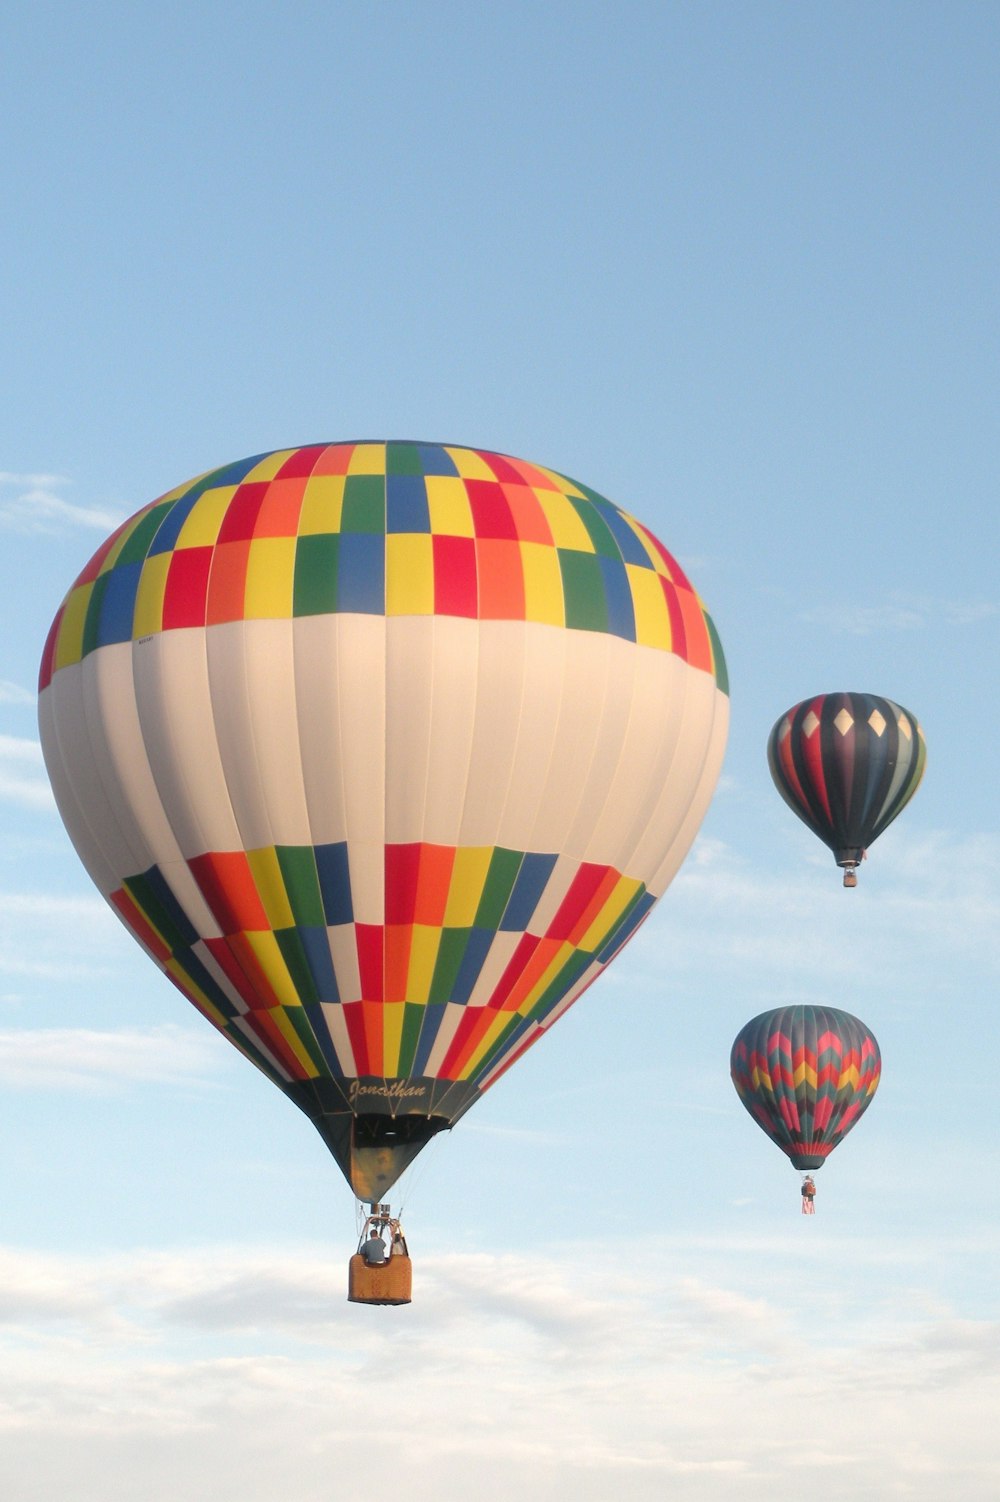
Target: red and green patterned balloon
x: 806, y: 1075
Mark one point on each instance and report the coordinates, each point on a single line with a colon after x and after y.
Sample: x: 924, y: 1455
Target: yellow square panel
x: 562, y: 516
x: 543, y: 586
x: 270, y: 578
x: 367, y: 459
x: 392, y: 1034
x: 201, y: 529
x: 69, y: 647
x: 468, y: 877
x: 409, y: 574
x: 448, y: 504
x: 268, y: 880
x: 469, y: 464
x: 322, y: 505
x: 267, y: 953
x: 148, y: 618
x: 652, y: 619
x: 424, y: 946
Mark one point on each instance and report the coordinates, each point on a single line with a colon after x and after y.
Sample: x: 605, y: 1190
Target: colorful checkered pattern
x: 477, y: 949
x: 806, y: 1074
x: 384, y: 529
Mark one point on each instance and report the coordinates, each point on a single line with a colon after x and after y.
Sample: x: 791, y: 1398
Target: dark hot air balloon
x: 847, y: 764
x: 806, y: 1075
x: 382, y: 751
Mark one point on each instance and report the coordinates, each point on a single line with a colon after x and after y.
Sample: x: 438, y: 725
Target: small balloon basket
x: 386, y: 1281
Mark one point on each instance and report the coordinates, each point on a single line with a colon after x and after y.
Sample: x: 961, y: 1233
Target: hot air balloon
x: 847, y: 764
x: 806, y: 1074
x: 382, y: 751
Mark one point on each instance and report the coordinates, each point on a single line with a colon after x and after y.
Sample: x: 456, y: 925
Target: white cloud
x: 56, y: 937
x: 22, y: 773
x: 13, y: 693
x: 900, y: 612
x: 243, y: 1374
x: 787, y: 929
x: 30, y: 503
x: 91, y: 1060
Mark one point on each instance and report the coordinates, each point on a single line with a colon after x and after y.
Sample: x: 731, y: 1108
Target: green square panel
x: 315, y: 587
x: 583, y: 589
x: 364, y: 504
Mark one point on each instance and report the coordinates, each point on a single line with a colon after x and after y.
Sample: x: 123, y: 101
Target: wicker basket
x: 388, y: 1282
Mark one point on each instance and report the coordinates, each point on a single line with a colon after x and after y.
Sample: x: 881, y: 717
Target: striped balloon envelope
x: 382, y: 751
x: 806, y: 1075
x: 847, y: 764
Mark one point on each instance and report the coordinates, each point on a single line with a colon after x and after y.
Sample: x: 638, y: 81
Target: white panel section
x: 699, y: 803
x: 527, y: 803
x: 450, y: 1018
x: 692, y: 722
x: 57, y: 704
x: 116, y: 741
x: 453, y: 704
x: 252, y: 676
x: 100, y: 771
x: 344, y: 954
x: 499, y: 687
x: 361, y: 753
x: 337, y: 1026
x: 410, y: 670
x: 87, y: 772
x: 317, y: 694
x: 366, y: 867
x: 109, y: 735
x: 178, y: 720
x: 580, y: 696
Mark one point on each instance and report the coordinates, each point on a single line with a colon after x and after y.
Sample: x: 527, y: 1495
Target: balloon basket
x: 388, y: 1282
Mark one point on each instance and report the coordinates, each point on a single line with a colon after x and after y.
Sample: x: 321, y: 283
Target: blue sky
x: 735, y: 267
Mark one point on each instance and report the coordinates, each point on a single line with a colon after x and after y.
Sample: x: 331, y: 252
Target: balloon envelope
x: 382, y: 751
x: 806, y: 1074
x: 847, y: 764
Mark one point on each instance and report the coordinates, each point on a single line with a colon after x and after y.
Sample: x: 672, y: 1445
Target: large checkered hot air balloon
x: 382, y: 751
x: 806, y: 1074
x: 847, y: 764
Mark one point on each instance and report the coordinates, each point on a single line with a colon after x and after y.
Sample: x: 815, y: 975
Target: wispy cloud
x: 13, y: 693
x: 899, y: 612
x: 22, y: 773
x: 96, y: 1061
x: 784, y: 930
x: 32, y: 503
x: 53, y: 937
